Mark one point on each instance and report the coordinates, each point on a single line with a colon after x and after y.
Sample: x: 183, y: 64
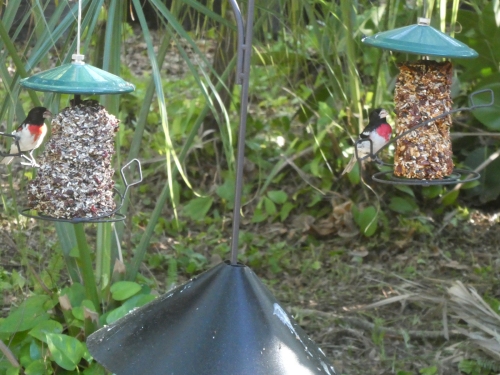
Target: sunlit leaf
x: 65, y: 350
x: 123, y: 290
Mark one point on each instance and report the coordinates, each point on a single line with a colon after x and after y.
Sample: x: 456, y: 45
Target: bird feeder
x: 225, y: 321
x: 74, y: 182
x: 423, y: 105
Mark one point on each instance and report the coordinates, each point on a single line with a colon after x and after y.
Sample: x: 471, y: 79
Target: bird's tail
x: 7, y: 160
x: 350, y: 165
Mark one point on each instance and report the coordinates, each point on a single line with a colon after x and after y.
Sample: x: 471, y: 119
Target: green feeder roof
x: 421, y: 39
x: 78, y: 78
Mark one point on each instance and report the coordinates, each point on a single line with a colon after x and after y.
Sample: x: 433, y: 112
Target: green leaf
x: 450, y: 197
x: 29, y: 314
x: 432, y: 191
x: 402, y: 205
x: 65, y: 350
x: 226, y: 191
x: 354, y: 175
x: 469, y: 367
x: 277, y: 196
x: 198, y: 208
x: 78, y: 312
x: 128, y: 306
x: 123, y: 290
x: 366, y: 220
x: 432, y: 370
x: 285, y: 210
x: 405, y: 189
x: 49, y: 326
x: 38, y: 367
x: 259, y: 215
x: 489, y: 115
x: 13, y: 371
x: 35, y: 350
x: 269, y: 206
x: 95, y: 369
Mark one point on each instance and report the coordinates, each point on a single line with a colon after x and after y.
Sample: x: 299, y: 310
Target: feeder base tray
x: 453, y: 179
x: 112, y: 218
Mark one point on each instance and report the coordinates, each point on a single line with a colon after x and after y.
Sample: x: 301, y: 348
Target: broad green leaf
x: 432, y: 370
x: 198, y: 208
x: 405, y: 189
x: 28, y: 315
x: 402, y: 205
x: 75, y: 293
x: 259, y: 215
x: 35, y: 350
x: 38, y: 367
x: 269, y: 206
x: 285, y: 210
x: 432, y: 191
x: 277, y: 196
x: 367, y: 220
x: 78, y: 312
x: 128, y: 306
x: 13, y: 371
x: 354, y: 175
x: 450, y: 198
x: 226, y: 190
x: 95, y: 369
x: 49, y: 326
x: 489, y: 189
x: 65, y: 350
x: 123, y: 290
x: 489, y: 115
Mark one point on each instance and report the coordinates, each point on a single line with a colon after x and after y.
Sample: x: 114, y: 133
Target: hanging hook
x: 245, y: 33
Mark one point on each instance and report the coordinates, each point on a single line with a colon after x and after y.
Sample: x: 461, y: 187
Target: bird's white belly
x: 27, y: 140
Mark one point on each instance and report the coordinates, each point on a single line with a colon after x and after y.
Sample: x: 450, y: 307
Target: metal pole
x: 242, y: 78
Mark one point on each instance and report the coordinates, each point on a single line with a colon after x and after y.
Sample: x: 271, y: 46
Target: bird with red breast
x: 375, y: 136
x: 29, y: 136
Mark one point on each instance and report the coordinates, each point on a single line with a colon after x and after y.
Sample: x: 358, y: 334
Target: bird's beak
x: 383, y: 113
x: 47, y: 114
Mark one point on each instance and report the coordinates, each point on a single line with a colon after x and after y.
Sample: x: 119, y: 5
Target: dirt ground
x: 386, y: 308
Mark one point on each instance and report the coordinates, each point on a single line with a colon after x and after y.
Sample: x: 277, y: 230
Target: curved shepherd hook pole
x: 242, y: 78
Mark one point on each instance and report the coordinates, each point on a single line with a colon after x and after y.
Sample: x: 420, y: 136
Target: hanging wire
x: 79, y: 26
x: 78, y: 57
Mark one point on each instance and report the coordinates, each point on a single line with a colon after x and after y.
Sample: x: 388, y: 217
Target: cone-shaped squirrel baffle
x: 223, y: 322
x: 75, y: 179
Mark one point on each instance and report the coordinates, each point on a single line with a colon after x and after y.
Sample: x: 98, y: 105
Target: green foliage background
x: 313, y: 84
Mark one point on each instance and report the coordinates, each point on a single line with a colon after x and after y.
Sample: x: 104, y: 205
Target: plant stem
x: 86, y: 266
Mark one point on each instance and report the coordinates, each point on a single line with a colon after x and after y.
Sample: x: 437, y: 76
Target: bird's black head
x: 378, y: 114
x: 38, y: 115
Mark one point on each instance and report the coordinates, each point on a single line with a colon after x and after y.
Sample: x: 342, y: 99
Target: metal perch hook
x: 245, y: 34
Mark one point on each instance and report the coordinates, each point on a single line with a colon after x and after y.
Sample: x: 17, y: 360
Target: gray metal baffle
x: 223, y: 322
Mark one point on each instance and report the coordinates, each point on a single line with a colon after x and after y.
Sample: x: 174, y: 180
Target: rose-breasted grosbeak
x: 29, y: 135
x: 378, y: 132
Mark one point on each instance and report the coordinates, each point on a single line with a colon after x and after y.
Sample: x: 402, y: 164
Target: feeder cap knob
x: 78, y: 59
x: 422, y: 21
